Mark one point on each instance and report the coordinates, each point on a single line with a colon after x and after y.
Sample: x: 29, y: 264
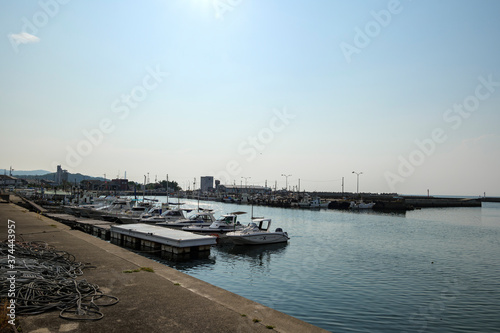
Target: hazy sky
x: 406, y: 92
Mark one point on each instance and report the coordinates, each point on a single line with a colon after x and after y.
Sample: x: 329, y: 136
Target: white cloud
x: 24, y: 38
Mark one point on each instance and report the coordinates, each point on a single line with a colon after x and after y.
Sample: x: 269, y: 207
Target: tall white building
x: 61, y: 175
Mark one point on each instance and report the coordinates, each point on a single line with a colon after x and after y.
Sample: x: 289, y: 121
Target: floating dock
x: 164, y: 242
x: 170, y: 243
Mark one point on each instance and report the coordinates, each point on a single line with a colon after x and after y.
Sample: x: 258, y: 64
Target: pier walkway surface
x: 163, y: 301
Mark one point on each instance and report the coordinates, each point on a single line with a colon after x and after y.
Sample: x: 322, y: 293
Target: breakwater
x: 341, y: 201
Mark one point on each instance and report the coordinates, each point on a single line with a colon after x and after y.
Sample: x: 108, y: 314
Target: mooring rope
x: 46, y: 280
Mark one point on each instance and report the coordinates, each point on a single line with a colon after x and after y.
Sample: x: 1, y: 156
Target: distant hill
x: 42, y: 174
x: 24, y: 173
x: 72, y: 177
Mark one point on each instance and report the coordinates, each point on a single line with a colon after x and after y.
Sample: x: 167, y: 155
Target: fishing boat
x: 257, y: 232
x: 361, y: 205
x: 307, y: 202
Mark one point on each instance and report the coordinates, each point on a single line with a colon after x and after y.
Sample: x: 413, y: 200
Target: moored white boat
x: 361, y: 205
x: 225, y: 223
x: 165, y: 217
x: 203, y: 219
x: 257, y: 232
x: 306, y: 202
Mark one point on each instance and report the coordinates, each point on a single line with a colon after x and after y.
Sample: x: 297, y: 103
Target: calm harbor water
x: 429, y: 270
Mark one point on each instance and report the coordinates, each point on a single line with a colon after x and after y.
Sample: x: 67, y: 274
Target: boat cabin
x: 262, y: 224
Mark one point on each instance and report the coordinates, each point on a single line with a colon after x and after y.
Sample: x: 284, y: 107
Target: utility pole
x: 342, y: 185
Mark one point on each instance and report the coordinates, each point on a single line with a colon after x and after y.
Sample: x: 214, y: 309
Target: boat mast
x: 199, y: 198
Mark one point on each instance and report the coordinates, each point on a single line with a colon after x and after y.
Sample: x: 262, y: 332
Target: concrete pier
x: 163, y: 301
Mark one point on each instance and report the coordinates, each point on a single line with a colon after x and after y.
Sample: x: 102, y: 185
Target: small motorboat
x: 202, y: 219
x: 225, y: 223
x: 169, y: 215
x: 257, y: 232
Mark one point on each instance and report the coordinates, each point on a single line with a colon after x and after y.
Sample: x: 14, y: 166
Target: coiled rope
x: 46, y: 280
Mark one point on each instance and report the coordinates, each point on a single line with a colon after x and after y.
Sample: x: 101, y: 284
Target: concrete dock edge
x: 164, y: 301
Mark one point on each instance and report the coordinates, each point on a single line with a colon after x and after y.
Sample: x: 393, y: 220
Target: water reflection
x: 184, y: 265
x: 258, y: 259
x: 253, y: 251
x: 255, y: 255
x: 399, y: 213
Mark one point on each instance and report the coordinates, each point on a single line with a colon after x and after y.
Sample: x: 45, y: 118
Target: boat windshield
x: 172, y: 213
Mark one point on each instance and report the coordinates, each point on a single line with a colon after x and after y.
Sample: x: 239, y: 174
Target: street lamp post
x: 246, y: 178
x: 286, y: 180
x: 357, y: 185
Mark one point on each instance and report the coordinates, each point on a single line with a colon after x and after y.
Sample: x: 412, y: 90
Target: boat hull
x: 259, y: 239
x: 208, y: 230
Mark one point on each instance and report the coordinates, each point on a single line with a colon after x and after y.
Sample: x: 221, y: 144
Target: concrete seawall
x: 164, y: 301
x: 442, y: 202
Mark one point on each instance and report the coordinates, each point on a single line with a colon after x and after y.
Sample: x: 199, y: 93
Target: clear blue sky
x: 407, y: 92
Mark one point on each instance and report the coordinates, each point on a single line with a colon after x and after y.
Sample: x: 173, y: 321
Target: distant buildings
x: 6, y: 181
x: 99, y: 185
x: 118, y: 185
x: 61, y: 176
x: 249, y: 189
x: 92, y: 185
x: 207, y: 184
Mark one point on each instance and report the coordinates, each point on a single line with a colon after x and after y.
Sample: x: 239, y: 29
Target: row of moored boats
x: 128, y: 211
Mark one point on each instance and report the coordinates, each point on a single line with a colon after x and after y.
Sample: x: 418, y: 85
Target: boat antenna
x: 199, y: 199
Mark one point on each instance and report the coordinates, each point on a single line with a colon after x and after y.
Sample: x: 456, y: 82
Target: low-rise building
x: 239, y: 189
x: 6, y: 181
x: 118, y: 185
